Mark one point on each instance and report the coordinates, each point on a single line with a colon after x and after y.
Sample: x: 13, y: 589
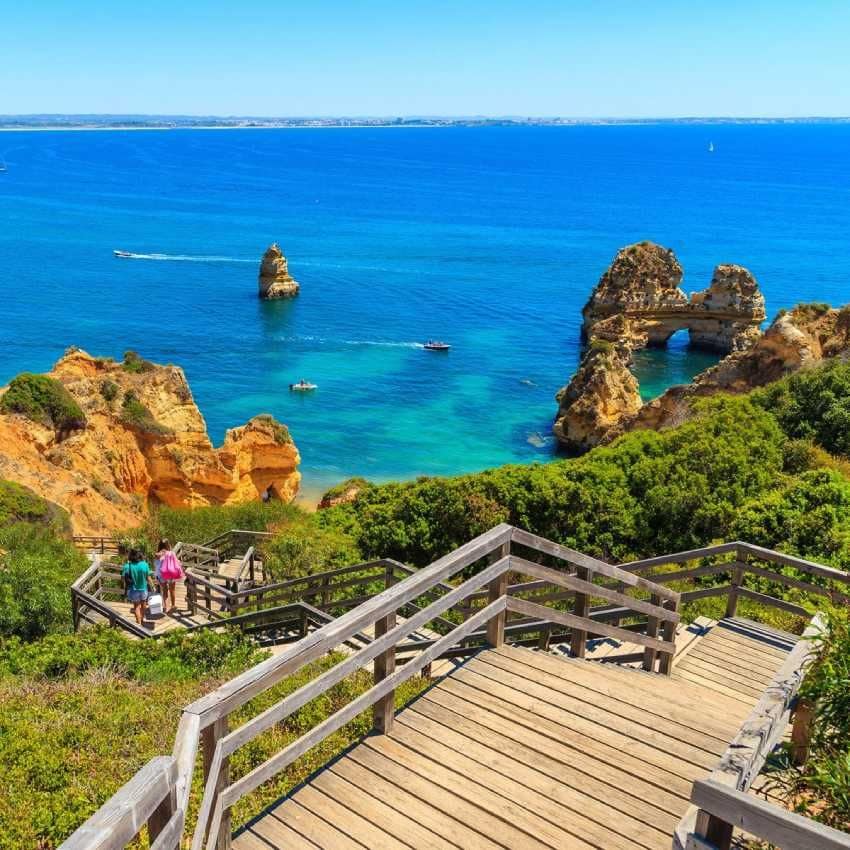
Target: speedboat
x: 124, y: 254
x: 302, y: 386
x: 436, y: 345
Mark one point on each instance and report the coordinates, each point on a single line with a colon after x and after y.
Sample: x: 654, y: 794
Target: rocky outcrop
x: 275, y: 280
x: 639, y: 302
x: 798, y: 339
x: 343, y: 493
x: 144, y: 443
x: 601, y: 393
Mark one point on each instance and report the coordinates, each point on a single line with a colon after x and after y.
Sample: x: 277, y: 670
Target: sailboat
x: 711, y: 147
x: 3, y: 164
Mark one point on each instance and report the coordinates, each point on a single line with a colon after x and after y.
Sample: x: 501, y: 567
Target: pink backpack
x: 169, y: 567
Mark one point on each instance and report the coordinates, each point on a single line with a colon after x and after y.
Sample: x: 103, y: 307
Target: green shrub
x: 44, y: 400
x: 109, y: 390
x: 36, y: 571
x: 136, y: 416
x: 20, y: 504
x: 135, y: 364
x: 302, y: 549
x: 281, y: 432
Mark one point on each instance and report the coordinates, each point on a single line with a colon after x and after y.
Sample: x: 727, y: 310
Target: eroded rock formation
x: 275, y: 280
x: 144, y: 443
x: 639, y: 302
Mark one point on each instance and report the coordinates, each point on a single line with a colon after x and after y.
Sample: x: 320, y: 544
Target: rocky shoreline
x: 638, y: 302
x: 141, y: 442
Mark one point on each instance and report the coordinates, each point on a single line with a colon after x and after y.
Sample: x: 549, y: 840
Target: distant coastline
x: 186, y: 122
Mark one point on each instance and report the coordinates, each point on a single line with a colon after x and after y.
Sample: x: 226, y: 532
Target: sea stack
x: 275, y: 280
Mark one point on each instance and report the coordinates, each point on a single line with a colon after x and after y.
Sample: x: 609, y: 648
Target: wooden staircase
x: 521, y: 749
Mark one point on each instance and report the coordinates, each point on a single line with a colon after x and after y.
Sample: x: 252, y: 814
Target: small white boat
x: 436, y: 345
x: 124, y: 254
x: 302, y: 387
x: 711, y: 147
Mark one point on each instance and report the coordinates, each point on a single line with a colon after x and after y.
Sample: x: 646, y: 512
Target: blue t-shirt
x: 138, y: 574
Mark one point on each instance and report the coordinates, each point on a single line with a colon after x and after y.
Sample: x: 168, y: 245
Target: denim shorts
x: 137, y: 595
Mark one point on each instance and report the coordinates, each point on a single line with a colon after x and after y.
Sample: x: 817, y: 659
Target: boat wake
x: 185, y: 258
x: 375, y: 342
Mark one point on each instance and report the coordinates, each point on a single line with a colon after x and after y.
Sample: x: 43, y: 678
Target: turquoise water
x: 490, y: 238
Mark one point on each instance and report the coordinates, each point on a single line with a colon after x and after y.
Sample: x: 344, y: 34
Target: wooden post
x: 716, y: 832
x: 162, y: 814
x: 191, y: 600
x: 801, y: 731
x: 75, y: 611
x: 209, y: 739
x: 581, y: 608
x: 497, y: 588
x: 251, y: 567
x: 665, y: 664
x: 383, y: 711
x: 649, y: 655
x: 732, y: 599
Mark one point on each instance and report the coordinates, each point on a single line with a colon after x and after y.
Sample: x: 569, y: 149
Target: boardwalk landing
x: 522, y: 749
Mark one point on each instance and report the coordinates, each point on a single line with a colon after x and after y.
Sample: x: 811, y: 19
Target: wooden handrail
x: 759, y: 734
x: 148, y: 798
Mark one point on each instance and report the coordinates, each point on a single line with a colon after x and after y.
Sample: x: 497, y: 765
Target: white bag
x: 155, y: 605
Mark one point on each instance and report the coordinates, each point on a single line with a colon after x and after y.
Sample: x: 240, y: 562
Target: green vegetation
x: 73, y: 731
x: 109, y: 390
x: 20, y: 504
x: 281, y: 432
x: 44, y: 400
x: 135, y: 364
x: 136, y: 416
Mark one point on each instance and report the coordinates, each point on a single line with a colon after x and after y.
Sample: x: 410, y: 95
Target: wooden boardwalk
x: 522, y: 749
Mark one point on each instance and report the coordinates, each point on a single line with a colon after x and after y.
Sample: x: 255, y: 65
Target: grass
x: 136, y: 416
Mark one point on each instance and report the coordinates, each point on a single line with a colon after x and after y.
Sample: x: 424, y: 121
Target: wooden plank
x: 303, y: 822
x: 665, y: 770
x: 248, y: 839
x: 526, y: 829
x: 726, y: 676
x: 259, y: 678
x: 365, y: 804
x: 288, y: 754
x: 752, y: 660
x: 781, y: 578
x: 705, y: 592
x: 738, y: 665
x: 547, y: 547
x: 606, y: 721
x: 383, y: 778
x: 576, y: 811
x: 722, y: 714
x: 727, y: 640
x: 767, y: 821
x: 712, y: 684
x: 798, y: 563
x: 680, y: 557
x: 609, y: 791
x: 648, y: 714
x: 767, y: 721
x: 351, y: 823
x: 562, y: 618
x: 393, y: 761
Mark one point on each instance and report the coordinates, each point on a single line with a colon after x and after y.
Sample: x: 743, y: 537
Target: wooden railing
x: 490, y: 560
x: 721, y: 802
x: 99, y: 545
x: 736, y: 561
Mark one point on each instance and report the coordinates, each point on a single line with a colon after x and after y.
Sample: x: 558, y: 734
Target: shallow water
x: 490, y: 238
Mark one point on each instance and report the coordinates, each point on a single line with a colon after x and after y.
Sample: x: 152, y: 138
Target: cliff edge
x: 141, y: 441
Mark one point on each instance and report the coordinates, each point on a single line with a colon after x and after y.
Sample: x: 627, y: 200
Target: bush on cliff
x: 813, y: 404
x: 20, y: 504
x: 648, y: 492
x: 44, y: 400
x: 136, y: 364
x: 136, y: 416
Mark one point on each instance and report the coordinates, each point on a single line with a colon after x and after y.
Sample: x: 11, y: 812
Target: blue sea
x: 490, y: 238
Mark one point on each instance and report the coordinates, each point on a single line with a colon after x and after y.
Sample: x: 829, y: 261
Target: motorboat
x: 302, y: 387
x: 436, y: 345
x: 125, y: 254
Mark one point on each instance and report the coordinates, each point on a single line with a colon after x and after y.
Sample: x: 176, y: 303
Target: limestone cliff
x: 144, y: 443
x: 795, y: 340
x: 601, y: 393
x: 275, y: 280
x: 639, y: 302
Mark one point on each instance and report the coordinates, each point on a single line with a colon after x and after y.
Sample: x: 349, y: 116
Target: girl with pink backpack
x: 168, y: 572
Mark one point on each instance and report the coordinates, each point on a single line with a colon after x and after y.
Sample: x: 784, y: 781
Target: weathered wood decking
x: 522, y: 749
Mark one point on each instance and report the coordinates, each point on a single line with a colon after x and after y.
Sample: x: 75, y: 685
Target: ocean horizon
x: 488, y: 237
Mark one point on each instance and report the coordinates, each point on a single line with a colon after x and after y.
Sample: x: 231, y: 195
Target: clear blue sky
x: 440, y: 57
